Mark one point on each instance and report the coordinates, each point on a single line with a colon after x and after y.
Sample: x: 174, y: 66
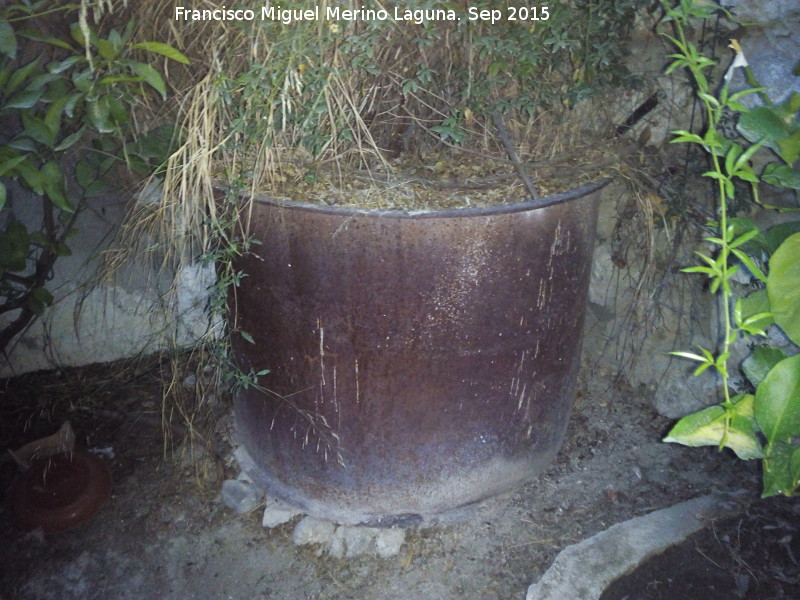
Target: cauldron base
x: 362, y: 512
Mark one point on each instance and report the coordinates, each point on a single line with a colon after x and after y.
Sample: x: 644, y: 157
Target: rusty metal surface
x: 417, y: 364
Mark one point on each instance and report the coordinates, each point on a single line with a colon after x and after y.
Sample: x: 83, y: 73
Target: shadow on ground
x: 165, y: 533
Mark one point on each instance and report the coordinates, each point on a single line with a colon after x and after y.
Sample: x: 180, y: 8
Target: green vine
x: 764, y: 425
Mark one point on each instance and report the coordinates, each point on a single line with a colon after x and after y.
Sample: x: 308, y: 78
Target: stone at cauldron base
x: 389, y: 541
x: 277, y: 513
x: 345, y: 541
x: 241, y: 495
x: 313, y: 531
x: 340, y: 541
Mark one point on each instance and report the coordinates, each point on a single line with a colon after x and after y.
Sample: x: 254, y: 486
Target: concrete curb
x: 584, y: 570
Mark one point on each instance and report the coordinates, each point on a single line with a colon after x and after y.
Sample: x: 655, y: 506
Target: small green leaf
x: 83, y: 80
x: 117, y: 111
x: 53, y: 182
x: 42, y: 295
x: 43, y: 37
x: 106, y: 49
x: 777, y: 404
x: 734, y: 152
x: 72, y: 101
x: 754, y: 310
x: 5, y: 74
x: 70, y: 140
x: 750, y: 264
x: 745, y: 237
x: 783, y: 286
x: 778, y: 477
x: 775, y: 236
x: 708, y: 98
x: 686, y: 136
x: 23, y: 143
x: 53, y: 116
x: 40, y: 81
x: 152, y: 77
x: 38, y: 238
x: 8, y: 41
x: 31, y: 175
x: 24, y: 99
x: 61, y: 66
x: 781, y: 176
x: 19, y: 76
x: 85, y: 173
x: 37, y: 130
x: 115, y: 39
x: 14, y: 246
x: 760, y: 362
x: 690, y: 356
x: 164, y: 50
x: 744, y: 159
x: 247, y: 337
x: 99, y: 112
x: 8, y: 164
x: 739, y: 226
x: 705, y: 270
x: 707, y: 428
x: 738, y: 95
x: 3, y: 195
x: 789, y: 147
x: 760, y: 123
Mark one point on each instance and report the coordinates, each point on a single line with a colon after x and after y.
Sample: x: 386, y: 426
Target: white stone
x: 389, y: 541
x: 311, y: 530
x: 358, y: 540
x: 241, y: 496
x: 277, y: 513
x: 338, y: 547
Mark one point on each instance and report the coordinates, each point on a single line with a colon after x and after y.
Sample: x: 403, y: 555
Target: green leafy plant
x: 229, y: 243
x: 362, y: 89
x: 67, y: 103
x: 763, y: 425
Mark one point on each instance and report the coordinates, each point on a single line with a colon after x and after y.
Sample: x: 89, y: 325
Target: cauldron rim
x: 499, y: 209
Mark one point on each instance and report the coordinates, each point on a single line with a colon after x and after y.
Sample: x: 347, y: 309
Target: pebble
x: 389, y: 541
x: 311, y: 530
x: 241, y: 496
x: 277, y: 513
x: 343, y: 541
x: 352, y: 541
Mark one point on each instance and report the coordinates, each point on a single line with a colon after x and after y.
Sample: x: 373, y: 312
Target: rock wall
x: 96, y: 319
x: 641, y: 308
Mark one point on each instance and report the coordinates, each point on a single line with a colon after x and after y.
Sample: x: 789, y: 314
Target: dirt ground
x: 166, y: 534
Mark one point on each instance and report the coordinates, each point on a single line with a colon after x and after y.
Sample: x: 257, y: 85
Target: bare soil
x: 165, y: 533
x: 750, y: 557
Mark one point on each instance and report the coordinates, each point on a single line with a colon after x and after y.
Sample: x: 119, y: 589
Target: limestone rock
x: 311, y: 530
x: 277, y: 513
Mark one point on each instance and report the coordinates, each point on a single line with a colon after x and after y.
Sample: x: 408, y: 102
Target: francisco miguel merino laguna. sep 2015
x: 288, y: 16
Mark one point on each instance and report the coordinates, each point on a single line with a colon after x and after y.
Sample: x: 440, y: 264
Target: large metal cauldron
x: 419, y: 362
